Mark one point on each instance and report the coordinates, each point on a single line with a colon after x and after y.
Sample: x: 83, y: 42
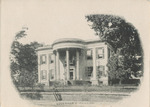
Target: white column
x: 39, y: 70
x: 55, y: 68
x: 77, y: 66
x: 58, y: 66
x: 67, y: 62
x: 94, y: 64
x: 47, y: 62
x: 74, y: 74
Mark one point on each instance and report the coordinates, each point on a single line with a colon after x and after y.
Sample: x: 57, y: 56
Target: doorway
x: 71, y: 73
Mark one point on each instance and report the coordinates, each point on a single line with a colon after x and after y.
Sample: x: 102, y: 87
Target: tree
x: 116, y: 68
x: 24, y: 62
x: 122, y: 36
x: 117, y: 32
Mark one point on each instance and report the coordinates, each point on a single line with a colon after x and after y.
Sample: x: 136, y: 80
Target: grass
x: 115, y: 93
x: 125, y: 89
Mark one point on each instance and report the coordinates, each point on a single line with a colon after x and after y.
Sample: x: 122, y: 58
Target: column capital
x: 55, y: 51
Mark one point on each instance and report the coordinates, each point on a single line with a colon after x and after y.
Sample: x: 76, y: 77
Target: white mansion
x: 71, y: 59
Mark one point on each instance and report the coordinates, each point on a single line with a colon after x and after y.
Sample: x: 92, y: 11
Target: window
x: 44, y: 74
x: 51, y: 58
x: 89, y: 71
x: 43, y: 59
x: 101, y: 70
x: 89, y: 54
x: 100, y: 53
x: 52, y: 74
x: 72, y: 60
x: 71, y: 75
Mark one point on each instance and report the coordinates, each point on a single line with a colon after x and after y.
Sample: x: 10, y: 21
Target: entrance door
x: 71, y: 73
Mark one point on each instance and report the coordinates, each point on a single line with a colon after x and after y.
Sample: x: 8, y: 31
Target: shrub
x: 33, y: 96
x: 41, y: 86
x: 56, y: 83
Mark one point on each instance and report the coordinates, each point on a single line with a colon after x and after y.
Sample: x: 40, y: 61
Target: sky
x: 49, y: 20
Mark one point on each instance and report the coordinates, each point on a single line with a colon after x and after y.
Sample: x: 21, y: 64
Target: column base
x: 104, y: 80
x: 94, y: 82
x: 65, y: 82
x: 105, y: 83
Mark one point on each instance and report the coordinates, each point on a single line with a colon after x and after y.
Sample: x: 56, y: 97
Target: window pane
x: 89, y: 54
x: 52, y: 74
x: 44, y: 74
x: 101, y: 68
x: 100, y: 56
x: 51, y: 58
x: 89, y: 71
x: 43, y: 59
x: 100, y: 53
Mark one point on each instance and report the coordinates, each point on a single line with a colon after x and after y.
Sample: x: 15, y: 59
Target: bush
x: 131, y: 81
x: 41, y: 86
x: 56, y: 83
x: 33, y: 96
x: 81, y: 82
x: 125, y: 81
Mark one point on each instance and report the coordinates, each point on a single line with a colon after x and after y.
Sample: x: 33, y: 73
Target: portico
x: 70, y: 66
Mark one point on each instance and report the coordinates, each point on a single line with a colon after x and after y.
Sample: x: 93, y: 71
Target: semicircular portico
x: 68, y: 43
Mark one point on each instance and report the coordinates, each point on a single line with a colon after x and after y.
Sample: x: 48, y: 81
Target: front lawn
x: 126, y: 89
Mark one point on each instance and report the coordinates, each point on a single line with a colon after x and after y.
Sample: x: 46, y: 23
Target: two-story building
x: 74, y: 59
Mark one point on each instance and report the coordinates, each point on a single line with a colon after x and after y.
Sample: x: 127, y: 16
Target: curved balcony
x: 68, y: 43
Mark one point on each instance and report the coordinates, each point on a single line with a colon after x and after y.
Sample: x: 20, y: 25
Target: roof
x: 44, y: 47
x: 69, y: 40
x: 62, y: 40
x: 93, y: 40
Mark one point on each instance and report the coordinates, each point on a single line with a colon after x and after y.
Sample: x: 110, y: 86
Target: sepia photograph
x: 75, y: 53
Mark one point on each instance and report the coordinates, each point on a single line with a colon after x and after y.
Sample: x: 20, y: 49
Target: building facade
x: 71, y: 59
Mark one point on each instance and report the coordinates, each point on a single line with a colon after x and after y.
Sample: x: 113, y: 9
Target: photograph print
x: 68, y: 56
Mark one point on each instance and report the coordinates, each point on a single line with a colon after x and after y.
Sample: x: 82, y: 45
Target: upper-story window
x: 51, y: 58
x: 100, y: 53
x: 89, y: 54
x: 43, y: 59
